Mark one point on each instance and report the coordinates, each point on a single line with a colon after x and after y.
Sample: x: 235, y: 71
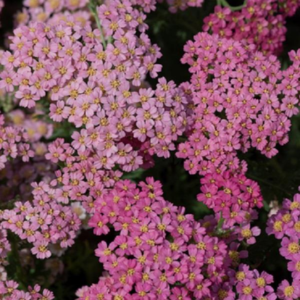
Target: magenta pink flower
x: 287, y: 291
x: 41, y: 250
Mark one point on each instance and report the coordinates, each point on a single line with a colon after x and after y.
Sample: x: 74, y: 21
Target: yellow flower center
x: 247, y: 290
x: 293, y: 248
x: 260, y: 281
x: 289, y: 291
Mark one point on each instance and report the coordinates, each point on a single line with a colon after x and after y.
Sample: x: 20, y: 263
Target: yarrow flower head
x: 53, y: 11
x: 261, y: 23
x: 285, y: 225
x: 102, y: 92
x: 99, y: 88
x: 160, y: 251
x: 9, y: 290
x: 238, y: 103
x: 93, y: 81
x: 43, y: 222
x: 288, y: 291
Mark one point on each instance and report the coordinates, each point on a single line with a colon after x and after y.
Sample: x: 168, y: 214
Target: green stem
x: 233, y: 8
x: 220, y: 224
x: 101, y: 31
x: 93, y: 8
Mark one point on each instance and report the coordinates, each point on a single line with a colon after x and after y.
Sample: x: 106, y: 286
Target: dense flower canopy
x: 86, y: 114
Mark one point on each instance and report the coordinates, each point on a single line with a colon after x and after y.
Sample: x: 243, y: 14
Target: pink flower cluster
x: 285, y: 225
x: 13, y: 143
x: 18, y: 175
x: 9, y: 291
x: 50, y: 220
x: 160, y: 252
x: 230, y: 195
x: 242, y: 99
x: 289, y: 291
x: 244, y: 284
x: 94, y: 79
x: 260, y: 22
x: 82, y: 177
x: 35, y: 127
x: 238, y: 103
x: 250, y: 284
x: 234, y: 236
x: 92, y: 86
x: 288, y: 7
x: 43, y: 222
x: 53, y: 11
